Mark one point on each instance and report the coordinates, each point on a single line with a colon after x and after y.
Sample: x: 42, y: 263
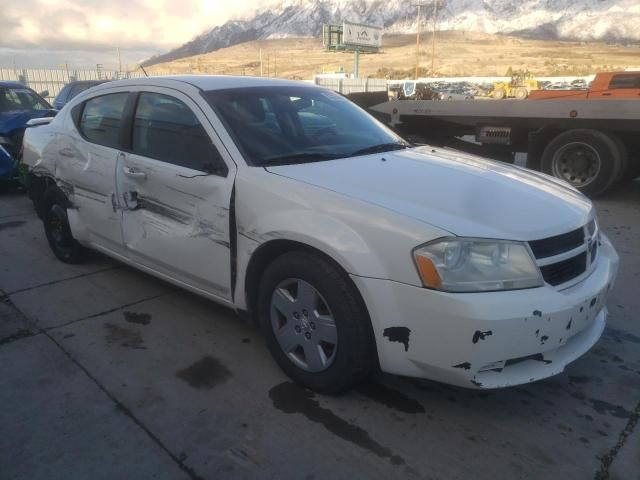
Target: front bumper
x: 488, y: 339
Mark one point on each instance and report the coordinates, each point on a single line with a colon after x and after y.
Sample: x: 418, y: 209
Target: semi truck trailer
x: 591, y: 143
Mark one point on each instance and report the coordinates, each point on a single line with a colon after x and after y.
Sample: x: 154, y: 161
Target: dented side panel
x: 175, y: 220
x: 175, y: 225
x: 86, y: 174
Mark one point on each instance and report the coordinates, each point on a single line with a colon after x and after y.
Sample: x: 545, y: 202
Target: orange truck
x: 618, y: 85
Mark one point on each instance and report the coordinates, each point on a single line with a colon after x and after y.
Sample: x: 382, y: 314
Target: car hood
x: 10, y: 121
x: 463, y: 194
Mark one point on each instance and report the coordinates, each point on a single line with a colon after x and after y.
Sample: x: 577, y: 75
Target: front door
x: 174, y: 188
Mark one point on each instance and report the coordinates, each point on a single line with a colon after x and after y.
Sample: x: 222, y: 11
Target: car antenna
x: 145, y: 72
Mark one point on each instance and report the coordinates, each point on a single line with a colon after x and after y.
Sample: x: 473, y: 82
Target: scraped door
x: 86, y: 166
x: 175, y: 188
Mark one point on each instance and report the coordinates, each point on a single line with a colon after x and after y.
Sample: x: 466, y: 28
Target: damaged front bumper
x: 489, y: 339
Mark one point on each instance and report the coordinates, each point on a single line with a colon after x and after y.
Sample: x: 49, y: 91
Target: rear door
x: 86, y: 167
x: 175, y: 184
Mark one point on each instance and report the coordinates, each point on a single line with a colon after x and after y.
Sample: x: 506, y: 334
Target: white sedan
x: 352, y: 249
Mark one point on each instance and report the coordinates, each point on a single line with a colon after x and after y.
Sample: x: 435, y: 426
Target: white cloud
x: 87, y: 24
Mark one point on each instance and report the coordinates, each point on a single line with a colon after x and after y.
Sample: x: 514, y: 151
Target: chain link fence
x: 52, y: 81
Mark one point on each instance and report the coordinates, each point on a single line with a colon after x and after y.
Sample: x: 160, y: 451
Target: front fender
x: 321, y: 231
x: 364, y: 239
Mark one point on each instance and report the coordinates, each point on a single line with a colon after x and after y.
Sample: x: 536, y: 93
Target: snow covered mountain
x: 548, y: 19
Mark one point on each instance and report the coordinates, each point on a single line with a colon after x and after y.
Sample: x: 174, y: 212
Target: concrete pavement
x: 106, y: 372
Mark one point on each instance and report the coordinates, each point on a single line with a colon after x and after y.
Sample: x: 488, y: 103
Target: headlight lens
x: 476, y: 265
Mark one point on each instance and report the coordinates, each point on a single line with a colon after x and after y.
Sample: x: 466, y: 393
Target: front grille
x: 548, y: 247
x: 561, y: 272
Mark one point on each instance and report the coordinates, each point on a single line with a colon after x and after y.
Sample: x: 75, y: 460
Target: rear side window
x: 102, y: 118
x: 165, y: 129
x: 625, y: 81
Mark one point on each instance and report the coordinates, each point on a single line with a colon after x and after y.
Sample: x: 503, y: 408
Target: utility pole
x: 433, y: 38
x: 119, y: 63
x: 419, y: 5
x: 261, y: 74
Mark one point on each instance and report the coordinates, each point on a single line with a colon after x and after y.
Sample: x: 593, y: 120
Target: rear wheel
x: 588, y: 159
x: 56, y: 227
x: 314, y: 322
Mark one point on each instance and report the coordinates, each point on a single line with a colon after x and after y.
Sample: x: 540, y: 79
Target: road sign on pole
x: 352, y: 37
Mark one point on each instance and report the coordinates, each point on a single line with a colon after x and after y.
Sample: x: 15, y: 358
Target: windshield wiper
x: 302, y: 157
x: 383, y: 147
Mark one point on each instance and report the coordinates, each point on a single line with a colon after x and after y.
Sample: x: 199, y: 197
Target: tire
x: 589, y: 160
x: 521, y: 93
x: 56, y: 227
x: 348, y: 354
x: 635, y: 166
x: 499, y: 94
x: 626, y: 164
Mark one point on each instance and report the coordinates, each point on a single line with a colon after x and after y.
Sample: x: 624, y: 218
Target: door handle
x: 131, y: 200
x: 134, y: 172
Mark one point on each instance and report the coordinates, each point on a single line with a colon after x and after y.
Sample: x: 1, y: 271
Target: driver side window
x: 165, y: 129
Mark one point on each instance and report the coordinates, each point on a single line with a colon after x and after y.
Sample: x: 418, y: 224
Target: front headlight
x: 476, y: 265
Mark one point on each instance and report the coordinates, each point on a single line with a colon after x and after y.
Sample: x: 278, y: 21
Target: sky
x: 81, y: 33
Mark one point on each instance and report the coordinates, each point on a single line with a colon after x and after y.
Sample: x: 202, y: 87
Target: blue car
x: 18, y: 105
x: 73, y: 89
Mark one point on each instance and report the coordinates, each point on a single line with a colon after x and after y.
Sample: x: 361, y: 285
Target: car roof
x: 12, y: 84
x: 208, y: 82
x: 93, y: 82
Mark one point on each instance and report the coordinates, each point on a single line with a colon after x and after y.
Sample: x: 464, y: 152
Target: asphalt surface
x: 108, y: 373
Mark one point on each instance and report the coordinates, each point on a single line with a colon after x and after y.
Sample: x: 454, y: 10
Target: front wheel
x: 315, y: 324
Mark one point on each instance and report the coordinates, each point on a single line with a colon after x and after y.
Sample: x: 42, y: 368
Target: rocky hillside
x: 583, y: 20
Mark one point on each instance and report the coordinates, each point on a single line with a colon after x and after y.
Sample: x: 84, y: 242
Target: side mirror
x: 218, y: 168
x: 44, y: 93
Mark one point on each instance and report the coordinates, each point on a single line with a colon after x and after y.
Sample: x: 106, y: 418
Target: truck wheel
x: 634, y: 171
x: 314, y: 322
x: 626, y: 164
x: 521, y: 93
x: 499, y: 94
x: 588, y: 159
x: 56, y: 227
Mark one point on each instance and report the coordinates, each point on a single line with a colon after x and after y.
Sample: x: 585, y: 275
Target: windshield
x: 20, y: 99
x: 284, y: 125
